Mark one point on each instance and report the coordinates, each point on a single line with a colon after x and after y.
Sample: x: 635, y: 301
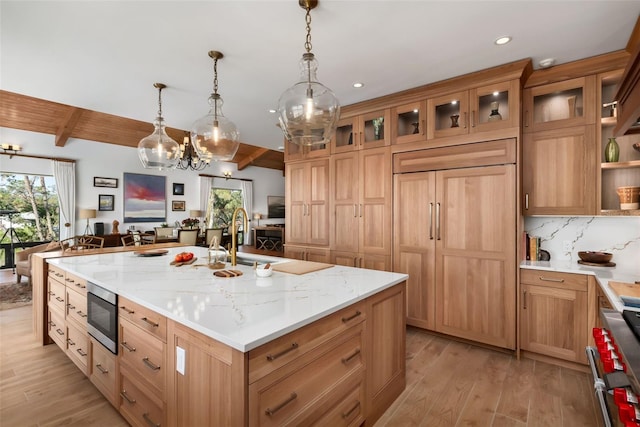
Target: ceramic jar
x: 629, y: 197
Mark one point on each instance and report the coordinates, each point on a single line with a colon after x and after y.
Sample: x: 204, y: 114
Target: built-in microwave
x: 102, y: 316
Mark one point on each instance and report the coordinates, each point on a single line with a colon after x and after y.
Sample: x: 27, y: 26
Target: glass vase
x: 611, y: 151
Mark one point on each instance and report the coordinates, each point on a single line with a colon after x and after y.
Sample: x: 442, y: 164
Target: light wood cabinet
x: 307, y: 253
x: 368, y: 130
x: 294, y: 152
x: 559, y: 172
x: 409, y: 122
x: 554, y: 314
x: 457, y: 247
x: 307, y: 202
x: 361, y: 206
x: 103, y: 371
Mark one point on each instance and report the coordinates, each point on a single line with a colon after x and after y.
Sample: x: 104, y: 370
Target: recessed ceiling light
x: 272, y: 111
x: 502, y: 40
x: 358, y: 85
x: 547, y: 62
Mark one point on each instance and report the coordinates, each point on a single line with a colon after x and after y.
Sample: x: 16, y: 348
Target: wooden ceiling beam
x: 251, y: 158
x: 67, y: 126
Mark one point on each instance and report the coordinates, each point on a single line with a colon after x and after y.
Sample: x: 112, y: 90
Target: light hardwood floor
x: 448, y: 384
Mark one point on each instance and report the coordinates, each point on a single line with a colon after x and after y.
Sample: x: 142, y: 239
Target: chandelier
x: 308, y: 111
x: 189, y: 158
x: 158, y: 150
x: 213, y: 136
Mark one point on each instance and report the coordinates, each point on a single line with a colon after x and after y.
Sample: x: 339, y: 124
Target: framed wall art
x: 144, y: 198
x: 99, y: 181
x: 105, y: 202
x: 178, y: 189
x: 177, y: 205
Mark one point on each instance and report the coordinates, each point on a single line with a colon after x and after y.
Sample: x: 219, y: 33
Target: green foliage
x: 38, y: 216
x: 222, y: 203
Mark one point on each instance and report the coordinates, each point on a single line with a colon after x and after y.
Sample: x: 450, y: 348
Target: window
x: 222, y: 203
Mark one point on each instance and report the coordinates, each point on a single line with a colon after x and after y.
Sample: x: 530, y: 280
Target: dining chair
x: 210, y: 233
x: 188, y: 237
x: 163, y: 233
x: 86, y: 241
x: 134, y: 239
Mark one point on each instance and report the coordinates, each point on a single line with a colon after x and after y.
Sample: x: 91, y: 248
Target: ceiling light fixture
x: 358, y: 85
x: 158, y: 150
x: 308, y: 110
x: 502, y: 40
x: 189, y: 158
x: 214, y: 136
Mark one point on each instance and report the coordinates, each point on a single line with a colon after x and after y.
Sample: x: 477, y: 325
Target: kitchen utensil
x: 595, y: 257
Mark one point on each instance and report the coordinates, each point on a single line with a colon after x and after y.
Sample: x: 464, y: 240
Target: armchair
x: 23, y: 258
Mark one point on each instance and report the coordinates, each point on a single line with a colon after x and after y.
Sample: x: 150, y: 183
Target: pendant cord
x: 215, y: 88
x: 307, y: 43
x: 160, y: 102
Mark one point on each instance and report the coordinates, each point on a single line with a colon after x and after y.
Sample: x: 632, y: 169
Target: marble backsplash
x: 617, y: 235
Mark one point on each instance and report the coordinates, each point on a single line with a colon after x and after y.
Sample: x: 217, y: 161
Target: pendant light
x: 189, y: 158
x: 214, y: 136
x: 158, y: 150
x: 308, y: 111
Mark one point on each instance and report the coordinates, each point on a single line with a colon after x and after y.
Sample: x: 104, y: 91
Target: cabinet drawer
x: 147, y: 319
x: 144, y: 353
x: 291, y: 395
x: 74, y: 282
x: 56, y: 273
x: 554, y: 279
x: 78, y: 346
x: 57, y: 329
x: 279, y: 352
x: 102, y: 371
x: 138, y: 405
x: 77, y: 307
x: 347, y: 409
x: 56, y: 297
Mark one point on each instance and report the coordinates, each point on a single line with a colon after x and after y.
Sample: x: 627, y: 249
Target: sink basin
x: 250, y: 260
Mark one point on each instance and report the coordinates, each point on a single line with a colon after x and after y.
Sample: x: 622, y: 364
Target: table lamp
x: 196, y: 213
x: 257, y: 217
x: 87, y: 214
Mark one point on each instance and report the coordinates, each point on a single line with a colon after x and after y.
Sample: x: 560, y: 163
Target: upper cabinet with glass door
x: 368, y: 130
x: 409, y: 123
x: 560, y: 105
x: 294, y: 152
x: 480, y: 109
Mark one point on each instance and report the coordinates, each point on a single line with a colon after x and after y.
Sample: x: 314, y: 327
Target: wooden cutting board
x: 300, y: 267
x: 625, y: 289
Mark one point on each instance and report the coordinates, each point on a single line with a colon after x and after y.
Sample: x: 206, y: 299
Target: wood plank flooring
x: 448, y: 384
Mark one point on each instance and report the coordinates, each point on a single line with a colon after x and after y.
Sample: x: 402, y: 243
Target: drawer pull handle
x: 547, y: 279
x: 127, y: 346
x: 150, y: 364
x: 347, y: 319
x: 149, y: 420
x: 524, y: 300
x: 347, y: 414
x: 71, y: 307
x: 70, y: 280
x: 53, y: 325
x: 127, y: 310
x: 273, y: 411
x: 81, y: 314
x: 59, y: 331
x: 101, y: 369
x: 124, y: 395
x: 51, y: 293
x: 80, y: 285
x: 60, y: 299
x: 154, y: 324
x: 81, y: 353
x: 70, y: 341
x: 347, y: 359
x: 272, y: 357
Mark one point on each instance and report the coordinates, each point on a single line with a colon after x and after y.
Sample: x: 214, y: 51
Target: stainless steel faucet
x: 234, y: 232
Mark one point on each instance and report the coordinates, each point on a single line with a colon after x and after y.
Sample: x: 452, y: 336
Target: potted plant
x: 190, y: 222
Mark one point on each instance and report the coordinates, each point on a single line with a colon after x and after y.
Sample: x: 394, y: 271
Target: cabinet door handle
x: 438, y: 221
x: 101, y: 369
x: 548, y: 279
x: 355, y: 210
x: 526, y: 201
x: 360, y: 211
x: 60, y: 332
x: 526, y: 118
x: 124, y: 395
x: 464, y: 122
x: 60, y: 299
x: 150, y: 364
x: 127, y: 310
x: 422, y: 132
x: 346, y: 415
x: 272, y: 357
x: 348, y: 319
x: 149, y: 420
x: 473, y: 118
x: 70, y: 341
x: 348, y: 359
x: 524, y: 300
x: 153, y: 324
x: 127, y: 347
x: 431, y: 221
x: 81, y: 352
x: 273, y: 411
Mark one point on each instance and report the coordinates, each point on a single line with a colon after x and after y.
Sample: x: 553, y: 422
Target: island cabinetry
x: 361, y: 187
x: 142, y: 363
x: 480, y: 109
x: 555, y: 315
x: 453, y: 242
x: 103, y: 371
x: 368, y: 130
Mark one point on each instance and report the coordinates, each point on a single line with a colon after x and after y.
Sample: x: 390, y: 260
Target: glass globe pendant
x: 158, y: 150
x: 308, y: 111
x: 214, y: 136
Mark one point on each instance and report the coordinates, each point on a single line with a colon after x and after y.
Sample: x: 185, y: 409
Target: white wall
x: 111, y: 161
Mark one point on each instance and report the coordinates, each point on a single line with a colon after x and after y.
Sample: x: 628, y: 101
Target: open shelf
x: 621, y: 165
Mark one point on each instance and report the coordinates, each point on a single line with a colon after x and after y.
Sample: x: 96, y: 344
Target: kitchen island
x: 326, y: 346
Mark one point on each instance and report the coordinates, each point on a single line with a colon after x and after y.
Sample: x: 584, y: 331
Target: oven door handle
x: 599, y: 386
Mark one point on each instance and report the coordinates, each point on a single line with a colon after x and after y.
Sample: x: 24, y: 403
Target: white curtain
x: 65, y: 175
x: 206, y: 185
x: 247, y: 204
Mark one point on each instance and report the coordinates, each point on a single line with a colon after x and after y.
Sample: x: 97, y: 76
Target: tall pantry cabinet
x: 455, y: 235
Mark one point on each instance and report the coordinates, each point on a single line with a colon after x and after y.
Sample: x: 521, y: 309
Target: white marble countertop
x: 242, y: 312
x: 602, y: 274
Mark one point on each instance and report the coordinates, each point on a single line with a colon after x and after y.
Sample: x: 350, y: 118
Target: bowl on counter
x: 264, y: 270
x: 595, y: 257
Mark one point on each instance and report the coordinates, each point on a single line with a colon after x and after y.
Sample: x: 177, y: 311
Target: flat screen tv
x: 275, y: 206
